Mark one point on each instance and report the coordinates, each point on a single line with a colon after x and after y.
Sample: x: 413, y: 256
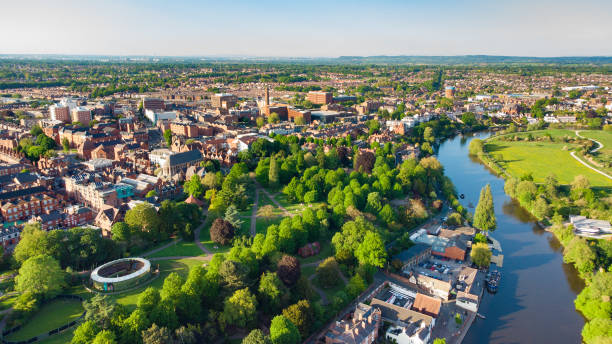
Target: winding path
x: 573, y: 154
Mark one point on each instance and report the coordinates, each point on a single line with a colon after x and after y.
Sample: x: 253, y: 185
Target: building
x: 449, y: 92
x: 179, y: 162
x: 427, y: 305
x: 155, y: 116
x: 60, y: 113
x: 413, y: 256
x: 27, y: 206
x: 76, y: 215
x: 223, y: 100
x: 453, y: 247
x: 320, y: 97
x: 82, y: 115
x: 92, y: 194
x: 361, y: 329
x: 589, y: 227
x: 154, y: 104
x: 414, y: 333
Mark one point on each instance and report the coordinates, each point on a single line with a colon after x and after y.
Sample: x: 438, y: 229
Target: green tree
x: 100, y: 309
x: 283, y: 331
x: 168, y: 137
x: 476, y: 147
x: 85, y: 333
x: 271, y: 292
x: 41, y: 275
x: 273, y: 118
x: 151, y: 193
x: 484, y: 216
x: 481, y: 255
x: 156, y: 335
x: 144, y: 218
x: 148, y: 300
x: 194, y: 186
x: 328, y: 273
x: 273, y: 177
x: 372, y: 250
x: 301, y: 315
x: 260, y: 121
x: 596, y: 330
x: 105, y: 337
x: 240, y: 309
x: 355, y: 286
x: 121, y: 231
x: 33, y: 242
x: 256, y: 337
x: 232, y: 216
x: 65, y: 144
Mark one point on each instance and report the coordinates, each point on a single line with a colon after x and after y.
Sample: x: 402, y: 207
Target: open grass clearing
x: 179, y: 249
x: 166, y: 267
x: 541, y: 159
x: 51, y: 315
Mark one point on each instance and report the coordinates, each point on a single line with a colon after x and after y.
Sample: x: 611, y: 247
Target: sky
x: 314, y: 28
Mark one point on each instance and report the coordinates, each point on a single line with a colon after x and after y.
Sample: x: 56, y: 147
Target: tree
x: 439, y: 341
x: 144, y: 218
x: 454, y: 219
x: 121, y: 231
x: 168, y: 137
x: 476, y: 147
x: 233, y: 275
x: 372, y: 250
x: 428, y: 135
x: 364, y: 161
x: 580, y: 182
x: 484, y: 216
x: 256, y: 337
x: 222, y: 232
x: 273, y: 118
x: 288, y: 270
x: 301, y: 315
x: 194, y: 186
x: 41, y: 275
x: 328, y: 273
x: 597, y: 329
x: 65, y: 144
x: 355, y: 286
x: 240, y: 309
x: 151, y: 193
x: 260, y: 121
x: 481, y: 255
x: 271, y: 292
x: 283, y: 331
x: 100, y: 309
x: 156, y: 335
x: 85, y: 333
x: 273, y: 177
x: 148, y: 300
x: 232, y: 216
x: 105, y: 337
x: 33, y: 242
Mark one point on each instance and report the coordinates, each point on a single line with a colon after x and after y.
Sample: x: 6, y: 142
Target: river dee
x: 535, y: 301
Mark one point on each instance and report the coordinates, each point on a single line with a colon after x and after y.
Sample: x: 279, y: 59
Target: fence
x: 48, y: 333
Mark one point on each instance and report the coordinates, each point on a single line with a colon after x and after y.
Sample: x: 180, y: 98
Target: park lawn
x: 211, y: 245
x: 180, y: 249
x: 262, y: 224
x: 62, y: 338
x: 309, y: 271
x: 51, y: 315
x: 166, y: 267
x: 541, y: 159
x: 245, y: 227
x: 326, y: 251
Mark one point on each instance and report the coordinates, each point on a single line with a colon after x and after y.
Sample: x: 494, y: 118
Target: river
x: 535, y: 301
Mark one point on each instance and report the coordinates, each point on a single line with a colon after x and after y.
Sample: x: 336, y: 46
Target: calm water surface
x: 535, y: 302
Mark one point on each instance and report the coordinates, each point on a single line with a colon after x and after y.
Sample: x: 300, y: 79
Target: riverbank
x: 550, y: 203
x: 532, y: 263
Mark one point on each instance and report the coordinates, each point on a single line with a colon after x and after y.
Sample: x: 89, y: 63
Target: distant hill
x: 381, y: 59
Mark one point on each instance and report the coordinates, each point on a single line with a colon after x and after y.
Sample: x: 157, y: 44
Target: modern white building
x: 154, y: 116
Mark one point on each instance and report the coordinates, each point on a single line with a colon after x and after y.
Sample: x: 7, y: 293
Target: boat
x: 462, y: 196
x: 492, y: 280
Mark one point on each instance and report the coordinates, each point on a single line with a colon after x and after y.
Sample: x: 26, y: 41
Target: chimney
x: 267, y: 95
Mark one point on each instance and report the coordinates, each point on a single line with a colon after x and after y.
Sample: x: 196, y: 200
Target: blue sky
x: 307, y: 28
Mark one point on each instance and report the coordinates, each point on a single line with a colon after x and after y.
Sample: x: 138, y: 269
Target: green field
x: 541, y: 158
x: 604, y: 155
x: 166, y: 267
x: 50, y: 316
x: 180, y: 249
